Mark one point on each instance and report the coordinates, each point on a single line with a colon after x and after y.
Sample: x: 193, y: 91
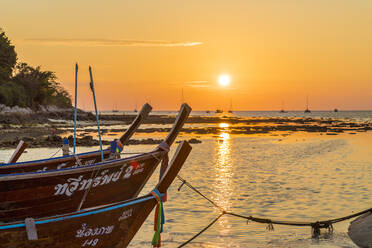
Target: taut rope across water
x: 315, y: 226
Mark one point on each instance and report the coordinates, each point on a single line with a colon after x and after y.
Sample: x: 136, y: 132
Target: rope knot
x: 270, y: 226
x: 315, y: 229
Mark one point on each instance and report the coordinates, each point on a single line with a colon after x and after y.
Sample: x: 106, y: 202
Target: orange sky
x: 148, y: 50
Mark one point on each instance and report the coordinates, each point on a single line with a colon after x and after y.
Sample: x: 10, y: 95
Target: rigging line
x: 93, y: 175
x: 88, y: 189
x: 203, y: 230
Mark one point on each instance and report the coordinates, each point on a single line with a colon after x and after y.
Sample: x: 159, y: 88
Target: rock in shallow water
x: 360, y: 231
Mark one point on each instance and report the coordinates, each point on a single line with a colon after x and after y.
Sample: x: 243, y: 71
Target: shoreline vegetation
x: 45, y: 128
x: 24, y: 86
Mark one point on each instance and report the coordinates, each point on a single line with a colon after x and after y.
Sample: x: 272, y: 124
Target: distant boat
x: 230, y: 109
x: 335, y: 110
x: 115, y: 108
x: 207, y: 111
x: 282, y: 110
x: 135, y: 110
x: 307, y: 110
x: 219, y: 111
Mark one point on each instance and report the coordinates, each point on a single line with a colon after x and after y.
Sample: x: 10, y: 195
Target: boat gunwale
x: 62, y: 158
x: 81, y: 213
x: 73, y: 170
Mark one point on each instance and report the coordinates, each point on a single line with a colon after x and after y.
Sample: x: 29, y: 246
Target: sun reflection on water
x: 224, y: 125
x: 224, y: 173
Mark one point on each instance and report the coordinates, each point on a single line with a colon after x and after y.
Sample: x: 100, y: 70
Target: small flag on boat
x: 119, y: 146
x: 116, y: 147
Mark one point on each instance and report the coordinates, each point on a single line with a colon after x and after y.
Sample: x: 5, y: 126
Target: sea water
x: 296, y: 177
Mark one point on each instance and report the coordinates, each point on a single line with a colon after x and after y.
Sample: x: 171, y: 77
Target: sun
x: 224, y: 80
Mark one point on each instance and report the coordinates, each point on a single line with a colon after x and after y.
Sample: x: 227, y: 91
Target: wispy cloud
x: 198, y: 84
x: 112, y: 42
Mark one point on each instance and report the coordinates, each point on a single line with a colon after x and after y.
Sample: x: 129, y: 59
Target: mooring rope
x: 204, y: 229
x: 315, y: 226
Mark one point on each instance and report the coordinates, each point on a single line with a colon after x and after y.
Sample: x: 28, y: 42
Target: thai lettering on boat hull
x: 81, y: 183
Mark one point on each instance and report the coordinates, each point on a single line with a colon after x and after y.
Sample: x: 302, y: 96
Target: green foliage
x: 12, y: 94
x: 8, y: 57
x: 41, y: 87
x: 29, y: 87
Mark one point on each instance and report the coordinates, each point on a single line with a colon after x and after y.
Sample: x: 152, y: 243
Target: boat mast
x: 75, y: 114
x: 307, y: 102
x: 95, y: 107
x: 182, y: 97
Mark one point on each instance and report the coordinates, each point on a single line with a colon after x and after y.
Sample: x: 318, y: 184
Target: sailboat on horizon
x: 135, y: 108
x: 282, y: 109
x: 115, y: 108
x: 307, y: 110
x: 230, y: 108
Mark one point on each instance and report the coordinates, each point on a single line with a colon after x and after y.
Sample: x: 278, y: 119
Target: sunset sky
x: 149, y: 50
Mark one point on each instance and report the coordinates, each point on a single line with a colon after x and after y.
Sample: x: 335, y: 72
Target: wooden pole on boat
x: 75, y: 114
x: 95, y: 107
x: 18, y: 152
x: 146, y: 109
x: 179, y: 158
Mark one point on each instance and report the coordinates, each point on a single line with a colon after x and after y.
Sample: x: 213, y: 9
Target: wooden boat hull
x: 74, y: 160
x: 102, y: 227
x: 43, y: 194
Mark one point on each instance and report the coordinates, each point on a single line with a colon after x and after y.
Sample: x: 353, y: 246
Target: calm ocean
x: 299, y: 177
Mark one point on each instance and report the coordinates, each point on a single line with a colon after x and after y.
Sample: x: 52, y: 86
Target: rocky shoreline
x: 47, y: 129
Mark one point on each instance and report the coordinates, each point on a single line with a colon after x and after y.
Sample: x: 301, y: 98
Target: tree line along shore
x: 26, y: 86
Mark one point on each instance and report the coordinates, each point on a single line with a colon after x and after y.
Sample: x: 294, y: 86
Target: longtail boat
x: 75, y: 159
x: 110, y: 226
x: 51, y: 192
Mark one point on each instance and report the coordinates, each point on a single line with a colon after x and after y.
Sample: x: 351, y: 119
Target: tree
x: 8, y: 58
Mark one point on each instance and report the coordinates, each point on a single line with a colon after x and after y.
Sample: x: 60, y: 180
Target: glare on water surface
x: 224, y: 125
x: 224, y: 174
